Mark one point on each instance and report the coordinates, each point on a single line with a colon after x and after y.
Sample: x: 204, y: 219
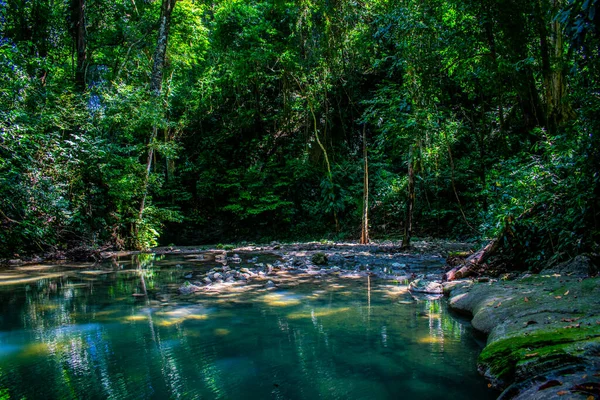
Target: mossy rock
x: 535, y: 353
x: 319, y: 259
x: 538, y: 325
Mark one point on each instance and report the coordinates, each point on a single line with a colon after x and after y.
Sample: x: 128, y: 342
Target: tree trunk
x: 79, y: 37
x: 556, y: 108
x: 160, y: 52
x: 410, y: 201
x: 155, y: 89
x: 364, y: 237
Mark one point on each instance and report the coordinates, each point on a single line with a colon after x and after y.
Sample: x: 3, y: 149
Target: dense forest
x: 133, y: 123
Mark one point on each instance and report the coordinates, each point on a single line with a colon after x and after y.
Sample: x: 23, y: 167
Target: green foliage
x: 259, y: 125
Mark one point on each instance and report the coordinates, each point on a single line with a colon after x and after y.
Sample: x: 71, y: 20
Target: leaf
x: 569, y: 319
x: 558, y: 297
x: 531, y: 355
x: 566, y: 293
x: 562, y: 392
x: 526, y: 299
x: 549, y: 384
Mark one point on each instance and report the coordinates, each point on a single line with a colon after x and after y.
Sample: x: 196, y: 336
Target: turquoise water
x: 68, y: 332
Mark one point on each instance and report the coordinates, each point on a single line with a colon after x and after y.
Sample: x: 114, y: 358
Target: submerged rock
x: 188, y: 288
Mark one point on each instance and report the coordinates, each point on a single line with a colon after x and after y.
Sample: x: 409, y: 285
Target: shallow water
x: 72, y: 332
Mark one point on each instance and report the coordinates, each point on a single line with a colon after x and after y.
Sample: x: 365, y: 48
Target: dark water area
x: 77, y: 331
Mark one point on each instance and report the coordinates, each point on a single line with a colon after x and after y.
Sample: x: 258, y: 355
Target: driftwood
x: 472, y: 262
x: 476, y: 261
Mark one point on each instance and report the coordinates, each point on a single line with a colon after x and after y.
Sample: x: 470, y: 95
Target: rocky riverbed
x: 284, y: 266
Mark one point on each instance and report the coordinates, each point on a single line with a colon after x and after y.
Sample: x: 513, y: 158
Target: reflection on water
x: 120, y: 331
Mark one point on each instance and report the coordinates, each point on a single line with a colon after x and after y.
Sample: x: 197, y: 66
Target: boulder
x: 424, y: 286
x: 580, y: 266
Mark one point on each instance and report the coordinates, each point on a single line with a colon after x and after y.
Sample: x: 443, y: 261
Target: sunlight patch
x: 280, y: 300
x: 135, y: 318
x: 430, y: 340
x: 322, y: 313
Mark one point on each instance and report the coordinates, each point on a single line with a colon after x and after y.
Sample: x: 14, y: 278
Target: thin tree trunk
x: 79, y: 36
x: 155, y: 89
x: 410, y: 201
x: 364, y: 237
x: 329, y: 174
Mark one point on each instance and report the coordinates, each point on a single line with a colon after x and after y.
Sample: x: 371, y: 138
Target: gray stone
x: 269, y: 285
x: 424, y: 286
x: 581, y: 266
x: 188, y: 288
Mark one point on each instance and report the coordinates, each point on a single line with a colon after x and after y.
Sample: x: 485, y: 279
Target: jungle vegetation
x: 129, y: 123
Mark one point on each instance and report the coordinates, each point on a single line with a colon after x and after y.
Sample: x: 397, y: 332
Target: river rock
x: 207, y: 280
x: 424, y: 286
x: 216, y: 276
x: 542, y: 333
x: 188, y: 288
x: 319, y: 258
x: 580, y: 266
x: 269, y: 285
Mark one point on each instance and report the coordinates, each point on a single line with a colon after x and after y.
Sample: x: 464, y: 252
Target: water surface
x: 77, y: 331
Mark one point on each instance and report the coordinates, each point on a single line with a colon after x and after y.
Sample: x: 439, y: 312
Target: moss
x: 501, y: 357
x: 319, y: 259
x: 588, y: 285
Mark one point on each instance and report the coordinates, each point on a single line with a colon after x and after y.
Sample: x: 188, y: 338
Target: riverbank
x: 543, y: 331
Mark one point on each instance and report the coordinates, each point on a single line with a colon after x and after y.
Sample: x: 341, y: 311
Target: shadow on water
x: 118, y: 330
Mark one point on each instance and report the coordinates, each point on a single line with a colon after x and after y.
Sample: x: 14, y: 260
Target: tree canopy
x: 133, y: 123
